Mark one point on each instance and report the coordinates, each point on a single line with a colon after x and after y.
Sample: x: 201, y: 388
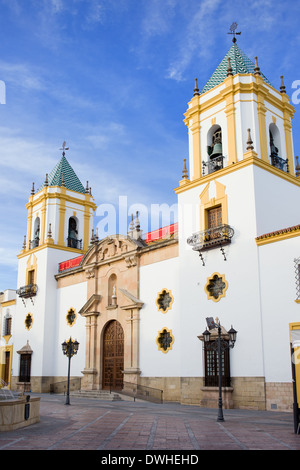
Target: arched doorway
x: 113, y: 356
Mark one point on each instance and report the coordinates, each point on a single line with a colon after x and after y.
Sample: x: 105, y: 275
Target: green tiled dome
x: 71, y: 180
x: 240, y: 63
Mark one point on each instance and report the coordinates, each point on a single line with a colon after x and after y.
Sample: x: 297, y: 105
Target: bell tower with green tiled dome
x: 236, y: 112
x: 60, y: 212
x: 59, y: 227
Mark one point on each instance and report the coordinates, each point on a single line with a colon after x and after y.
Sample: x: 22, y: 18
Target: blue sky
x: 113, y: 78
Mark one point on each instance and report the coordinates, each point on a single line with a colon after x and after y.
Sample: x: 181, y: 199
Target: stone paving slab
x: 154, y: 429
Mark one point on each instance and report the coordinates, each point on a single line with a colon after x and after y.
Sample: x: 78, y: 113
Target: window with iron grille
x: 7, y: 325
x: 297, y: 274
x: 25, y: 366
x: 211, y: 361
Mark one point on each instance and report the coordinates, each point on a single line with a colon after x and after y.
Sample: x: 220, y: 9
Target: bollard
x: 27, y: 408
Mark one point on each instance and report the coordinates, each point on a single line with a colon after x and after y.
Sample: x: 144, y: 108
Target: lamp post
x: 220, y: 345
x: 69, y: 349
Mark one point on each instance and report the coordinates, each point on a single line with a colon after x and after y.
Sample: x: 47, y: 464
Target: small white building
x: 138, y: 304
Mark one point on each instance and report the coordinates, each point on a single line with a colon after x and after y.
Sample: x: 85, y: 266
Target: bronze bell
x: 217, y: 150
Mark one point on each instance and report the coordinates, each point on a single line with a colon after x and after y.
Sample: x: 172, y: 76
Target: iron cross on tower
x: 64, y: 148
x: 232, y: 31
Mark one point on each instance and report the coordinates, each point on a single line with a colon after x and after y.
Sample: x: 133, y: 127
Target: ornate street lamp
x: 69, y: 349
x: 220, y: 345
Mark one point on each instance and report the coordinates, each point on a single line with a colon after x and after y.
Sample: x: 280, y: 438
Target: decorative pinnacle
x: 49, y: 232
x: 46, y: 180
x: 196, y: 89
x: 92, y: 237
x: 256, y: 68
x: 32, y: 189
x: 297, y: 167
x: 249, y: 141
x: 87, y: 188
x: 184, y: 171
x: 282, y: 86
x: 229, y: 70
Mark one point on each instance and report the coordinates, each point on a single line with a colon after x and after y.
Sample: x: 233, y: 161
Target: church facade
x: 138, y: 304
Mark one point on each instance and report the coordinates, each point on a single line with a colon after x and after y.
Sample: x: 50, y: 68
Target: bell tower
x: 240, y: 184
x: 59, y: 227
x: 60, y: 212
x: 239, y: 110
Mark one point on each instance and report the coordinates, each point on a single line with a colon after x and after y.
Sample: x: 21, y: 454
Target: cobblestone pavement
x: 89, y: 424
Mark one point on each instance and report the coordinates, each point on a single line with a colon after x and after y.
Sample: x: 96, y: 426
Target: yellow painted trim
x: 206, y: 204
x: 228, y: 94
x: 56, y: 247
x: 209, y: 297
x: 297, y: 301
x: 86, y: 229
x: 237, y: 166
x: 288, y: 140
x: 3, y: 349
x: 29, y: 223
x: 157, y: 299
x: 6, y: 338
x: 8, y: 303
x: 158, y: 344
x: 296, y: 326
x: 43, y: 218
x: 278, y: 238
x: 42, y: 200
x: 194, y: 128
x: 87, y: 200
x: 253, y: 87
x: 261, y: 111
x: 31, y: 266
x: 61, y: 223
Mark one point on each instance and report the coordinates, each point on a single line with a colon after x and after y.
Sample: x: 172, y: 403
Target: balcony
x: 213, y: 164
x: 280, y: 163
x: 27, y: 291
x: 215, y: 237
x: 74, y: 243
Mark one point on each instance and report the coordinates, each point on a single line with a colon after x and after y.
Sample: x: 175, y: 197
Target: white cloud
x: 158, y: 17
x: 22, y: 75
x: 195, y: 40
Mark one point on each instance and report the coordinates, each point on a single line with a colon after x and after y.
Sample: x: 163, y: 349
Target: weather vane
x: 64, y: 148
x: 233, y: 31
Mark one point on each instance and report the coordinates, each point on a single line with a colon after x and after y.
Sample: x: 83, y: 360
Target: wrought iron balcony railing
x: 211, y: 238
x: 74, y: 243
x: 213, y: 164
x: 27, y: 291
x: 280, y: 163
x: 34, y: 243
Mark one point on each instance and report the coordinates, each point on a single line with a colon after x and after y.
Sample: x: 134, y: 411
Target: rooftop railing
x: 213, y: 164
x: 280, y: 163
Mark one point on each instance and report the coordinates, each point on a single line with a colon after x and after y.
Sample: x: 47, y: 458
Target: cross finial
x: 64, y: 148
x: 233, y: 31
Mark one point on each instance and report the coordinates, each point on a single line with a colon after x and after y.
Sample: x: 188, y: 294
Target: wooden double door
x: 113, y: 356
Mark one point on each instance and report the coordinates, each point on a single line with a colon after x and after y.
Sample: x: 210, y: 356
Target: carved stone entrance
x: 113, y: 355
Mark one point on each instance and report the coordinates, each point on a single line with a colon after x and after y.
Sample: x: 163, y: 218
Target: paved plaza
x: 166, y: 429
